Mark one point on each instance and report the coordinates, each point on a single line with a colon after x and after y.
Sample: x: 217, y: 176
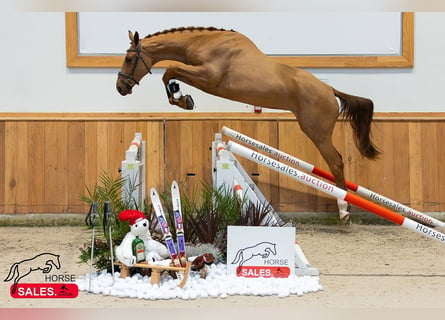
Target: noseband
x: 131, y: 75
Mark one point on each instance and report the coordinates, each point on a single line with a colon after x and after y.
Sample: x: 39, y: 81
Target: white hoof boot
x: 174, y: 89
x: 343, y: 210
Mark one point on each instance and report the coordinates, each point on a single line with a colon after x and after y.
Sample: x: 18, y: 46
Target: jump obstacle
x: 334, y: 191
x: 133, y: 172
x: 394, y: 205
x: 228, y: 172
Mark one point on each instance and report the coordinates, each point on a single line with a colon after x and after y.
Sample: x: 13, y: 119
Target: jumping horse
x: 227, y: 64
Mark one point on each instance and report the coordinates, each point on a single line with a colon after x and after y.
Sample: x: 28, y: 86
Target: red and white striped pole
x: 334, y: 191
x: 238, y: 190
x: 135, y: 144
x: 396, y: 206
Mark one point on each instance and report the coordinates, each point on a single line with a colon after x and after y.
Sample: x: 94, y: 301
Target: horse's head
x: 135, y: 66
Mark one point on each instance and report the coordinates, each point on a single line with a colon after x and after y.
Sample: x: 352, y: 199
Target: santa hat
x: 131, y: 215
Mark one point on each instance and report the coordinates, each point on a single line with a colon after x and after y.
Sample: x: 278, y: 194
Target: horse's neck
x: 166, y: 48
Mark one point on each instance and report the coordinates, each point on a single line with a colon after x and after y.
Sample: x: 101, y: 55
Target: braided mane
x: 182, y: 29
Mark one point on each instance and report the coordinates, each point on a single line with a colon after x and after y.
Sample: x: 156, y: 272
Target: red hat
x: 132, y: 215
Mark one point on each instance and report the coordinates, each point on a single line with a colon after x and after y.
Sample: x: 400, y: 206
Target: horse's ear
x: 136, y: 38
x: 130, y: 35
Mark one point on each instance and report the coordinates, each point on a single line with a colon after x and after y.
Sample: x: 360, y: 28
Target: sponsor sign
x: 266, y: 252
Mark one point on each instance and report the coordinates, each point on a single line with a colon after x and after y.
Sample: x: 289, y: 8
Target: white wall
x: 34, y: 76
x: 375, y: 33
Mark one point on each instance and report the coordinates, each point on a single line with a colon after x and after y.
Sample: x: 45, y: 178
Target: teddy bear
x: 139, y: 226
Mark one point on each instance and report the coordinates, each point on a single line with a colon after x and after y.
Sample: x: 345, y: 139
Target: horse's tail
x: 359, y: 112
x: 12, y: 271
x: 238, y: 257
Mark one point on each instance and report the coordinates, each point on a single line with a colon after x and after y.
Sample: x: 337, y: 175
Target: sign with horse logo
x: 42, y: 263
x: 267, y: 252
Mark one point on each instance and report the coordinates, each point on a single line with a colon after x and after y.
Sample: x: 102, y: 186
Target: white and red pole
x: 396, y: 206
x: 238, y: 190
x: 334, y: 191
x: 135, y: 144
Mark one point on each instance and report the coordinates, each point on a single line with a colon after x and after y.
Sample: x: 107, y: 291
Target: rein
x: 138, y: 57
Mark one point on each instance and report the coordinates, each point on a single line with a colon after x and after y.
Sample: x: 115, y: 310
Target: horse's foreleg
x: 175, y: 96
x: 196, y: 76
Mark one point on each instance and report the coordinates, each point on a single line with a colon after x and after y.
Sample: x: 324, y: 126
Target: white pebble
x: 216, y: 284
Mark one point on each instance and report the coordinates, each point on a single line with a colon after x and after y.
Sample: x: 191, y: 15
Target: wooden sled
x: 156, y: 271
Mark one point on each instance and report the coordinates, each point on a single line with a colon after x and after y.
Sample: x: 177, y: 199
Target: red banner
x: 44, y: 290
x: 262, y: 271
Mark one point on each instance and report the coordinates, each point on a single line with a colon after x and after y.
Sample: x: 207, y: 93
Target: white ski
x: 176, y: 200
x: 157, y: 205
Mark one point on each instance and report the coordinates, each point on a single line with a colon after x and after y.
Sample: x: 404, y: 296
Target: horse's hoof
x: 343, y: 210
x: 344, y: 216
x: 189, y: 104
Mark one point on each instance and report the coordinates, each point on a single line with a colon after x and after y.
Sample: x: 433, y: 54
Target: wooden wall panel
x: 46, y: 163
x: 408, y: 171
x: 440, y: 156
x: 36, y: 165
x: 370, y: 173
x: 188, y: 152
x: 396, y: 161
x: 91, y: 144
x: 102, y: 150
x: 430, y: 167
x: 153, y: 133
x: 75, y: 164
x: 116, y: 145
x: 16, y: 166
x: 415, y: 160
x: 55, y: 169
x: 295, y: 196
x: 2, y: 165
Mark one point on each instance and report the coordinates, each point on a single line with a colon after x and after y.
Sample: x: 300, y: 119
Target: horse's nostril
x: 119, y: 89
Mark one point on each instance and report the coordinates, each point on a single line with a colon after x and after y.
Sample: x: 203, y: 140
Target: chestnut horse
x: 229, y: 65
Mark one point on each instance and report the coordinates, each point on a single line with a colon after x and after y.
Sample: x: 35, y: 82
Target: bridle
x: 130, y: 76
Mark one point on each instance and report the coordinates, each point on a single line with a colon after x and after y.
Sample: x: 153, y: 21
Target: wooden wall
x: 47, y: 160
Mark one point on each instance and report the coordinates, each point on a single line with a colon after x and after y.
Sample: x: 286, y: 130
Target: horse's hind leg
x: 321, y: 136
x: 335, y: 163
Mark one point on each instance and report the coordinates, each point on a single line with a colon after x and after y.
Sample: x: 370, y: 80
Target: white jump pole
x: 334, y: 191
x: 394, y: 205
